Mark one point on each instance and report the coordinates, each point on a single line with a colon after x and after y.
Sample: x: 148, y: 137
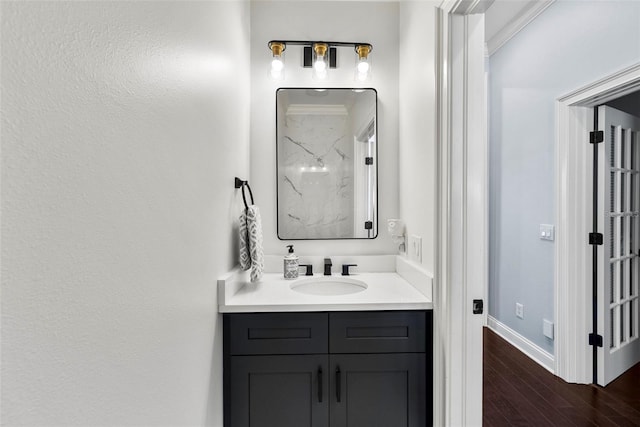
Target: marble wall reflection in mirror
x: 326, y: 163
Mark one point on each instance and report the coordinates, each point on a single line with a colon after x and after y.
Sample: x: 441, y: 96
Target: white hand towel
x: 251, y: 251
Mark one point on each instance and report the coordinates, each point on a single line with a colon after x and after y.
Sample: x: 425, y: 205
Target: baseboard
x: 535, y: 353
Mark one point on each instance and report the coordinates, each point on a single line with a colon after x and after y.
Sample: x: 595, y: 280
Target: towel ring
x: 244, y: 197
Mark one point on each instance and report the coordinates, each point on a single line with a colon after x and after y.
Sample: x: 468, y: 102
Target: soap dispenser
x: 291, y: 264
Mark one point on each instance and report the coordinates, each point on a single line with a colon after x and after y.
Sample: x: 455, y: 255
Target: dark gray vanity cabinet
x: 378, y: 390
x: 337, y: 369
x: 283, y: 391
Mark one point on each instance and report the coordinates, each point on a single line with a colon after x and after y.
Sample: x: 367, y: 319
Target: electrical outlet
x: 519, y: 310
x: 547, y: 328
x: 415, y: 248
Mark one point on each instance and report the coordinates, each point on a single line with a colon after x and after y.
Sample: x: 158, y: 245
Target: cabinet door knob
x: 320, y: 384
x: 338, y: 383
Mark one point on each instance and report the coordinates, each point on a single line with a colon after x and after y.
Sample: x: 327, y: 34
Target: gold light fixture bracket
x: 363, y: 50
x: 277, y: 48
x: 320, y: 48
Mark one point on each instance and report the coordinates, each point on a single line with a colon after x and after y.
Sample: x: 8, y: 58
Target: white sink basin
x: 328, y: 286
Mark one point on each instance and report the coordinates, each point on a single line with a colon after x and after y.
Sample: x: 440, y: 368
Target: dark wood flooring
x: 519, y: 392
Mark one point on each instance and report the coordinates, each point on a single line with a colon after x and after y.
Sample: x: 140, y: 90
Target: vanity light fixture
x: 276, y: 70
x: 320, y: 56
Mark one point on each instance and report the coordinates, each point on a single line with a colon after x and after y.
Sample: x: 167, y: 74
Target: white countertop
x: 385, y: 291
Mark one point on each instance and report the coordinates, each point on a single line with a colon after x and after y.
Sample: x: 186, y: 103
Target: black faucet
x: 345, y: 268
x: 327, y: 266
x: 308, y: 269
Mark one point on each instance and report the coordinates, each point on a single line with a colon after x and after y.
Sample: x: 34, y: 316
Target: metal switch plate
x: 547, y: 232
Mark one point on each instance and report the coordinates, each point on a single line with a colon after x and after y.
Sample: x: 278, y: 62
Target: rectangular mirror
x: 326, y: 143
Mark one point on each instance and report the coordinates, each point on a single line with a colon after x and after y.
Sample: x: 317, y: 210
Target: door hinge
x: 478, y: 306
x: 368, y: 160
x: 595, y: 239
x: 595, y: 339
x: 368, y: 225
x: 596, y: 137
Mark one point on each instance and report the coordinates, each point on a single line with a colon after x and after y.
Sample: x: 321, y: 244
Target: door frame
x: 574, y: 196
x: 462, y: 216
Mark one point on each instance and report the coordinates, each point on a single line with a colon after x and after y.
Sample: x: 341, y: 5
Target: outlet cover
x: 415, y: 248
x: 547, y: 328
x: 519, y: 311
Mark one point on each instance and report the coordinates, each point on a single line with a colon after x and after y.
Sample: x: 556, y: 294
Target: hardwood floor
x: 519, y: 392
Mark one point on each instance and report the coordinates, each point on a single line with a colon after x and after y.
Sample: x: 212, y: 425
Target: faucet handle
x: 308, y: 269
x: 345, y: 268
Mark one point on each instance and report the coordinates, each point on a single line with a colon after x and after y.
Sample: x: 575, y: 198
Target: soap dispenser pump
x: 291, y: 269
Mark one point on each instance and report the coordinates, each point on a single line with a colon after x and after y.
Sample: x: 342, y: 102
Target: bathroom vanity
x: 338, y: 369
x: 361, y: 359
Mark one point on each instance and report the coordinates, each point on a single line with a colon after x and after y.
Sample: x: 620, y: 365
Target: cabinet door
x: 378, y: 390
x: 279, y: 391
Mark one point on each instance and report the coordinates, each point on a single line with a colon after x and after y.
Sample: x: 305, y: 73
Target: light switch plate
x: 415, y: 248
x: 519, y: 311
x: 547, y: 232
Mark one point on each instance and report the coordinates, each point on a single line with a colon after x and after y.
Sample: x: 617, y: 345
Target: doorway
x: 574, y: 262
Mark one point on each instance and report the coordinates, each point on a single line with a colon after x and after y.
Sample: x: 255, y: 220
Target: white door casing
x: 619, y: 221
x: 461, y: 264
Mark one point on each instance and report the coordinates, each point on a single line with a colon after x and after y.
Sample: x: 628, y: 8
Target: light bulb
x: 277, y: 64
x: 321, y: 75
x: 276, y: 75
x: 363, y: 66
x: 320, y: 65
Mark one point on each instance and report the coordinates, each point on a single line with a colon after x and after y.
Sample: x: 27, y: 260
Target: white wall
x: 568, y: 46
x: 373, y: 22
x: 123, y: 125
x: 418, y: 124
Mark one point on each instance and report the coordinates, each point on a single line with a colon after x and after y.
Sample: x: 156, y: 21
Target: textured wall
x: 551, y: 57
x: 123, y: 124
x: 333, y: 21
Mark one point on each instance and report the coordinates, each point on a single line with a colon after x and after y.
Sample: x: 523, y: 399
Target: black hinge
x: 595, y: 239
x: 596, y: 137
x: 368, y: 160
x: 478, y: 306
x: 368, y: 225
x: 595, y: 339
